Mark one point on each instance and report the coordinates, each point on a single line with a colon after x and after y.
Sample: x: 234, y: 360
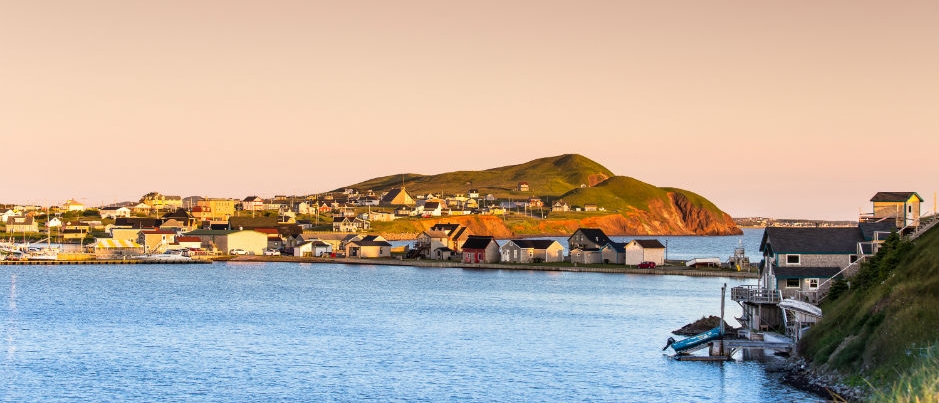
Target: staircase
x: 925, y: 223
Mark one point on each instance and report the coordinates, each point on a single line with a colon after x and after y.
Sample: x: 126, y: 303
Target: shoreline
x: 661, y: 270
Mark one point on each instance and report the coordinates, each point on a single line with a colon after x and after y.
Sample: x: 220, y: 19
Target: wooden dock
x: 89, y: 262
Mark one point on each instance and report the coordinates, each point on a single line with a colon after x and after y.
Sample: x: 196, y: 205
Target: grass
x: 879, y: 328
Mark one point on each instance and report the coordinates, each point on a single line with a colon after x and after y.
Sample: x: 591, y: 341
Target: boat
x: 165, y: 257
x: 695, y: 342
x: 703, y: 261
x: 801, y: 307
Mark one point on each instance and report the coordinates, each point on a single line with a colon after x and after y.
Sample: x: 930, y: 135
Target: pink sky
x: 788, y: 109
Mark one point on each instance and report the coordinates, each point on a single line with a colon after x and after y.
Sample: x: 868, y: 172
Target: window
x: 852, y: 258
x: 793, y: 259
x: 792, y: 283
x: 813, y: 283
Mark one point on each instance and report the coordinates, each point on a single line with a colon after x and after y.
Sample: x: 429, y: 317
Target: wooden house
x: 480, y: 249
x: 532, y: 251
x: 901, y: 207
x: 644, y: 250
x: 614, y: 252
x: 588, y: 238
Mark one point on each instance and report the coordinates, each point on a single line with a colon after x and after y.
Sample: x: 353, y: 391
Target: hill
x: 628, y: 206
x: 884, y: 330
x: 546, y: 177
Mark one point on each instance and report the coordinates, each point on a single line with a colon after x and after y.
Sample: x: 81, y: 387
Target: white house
x: 114, y: 212
x: 645, y: 250
x: 313, y: 247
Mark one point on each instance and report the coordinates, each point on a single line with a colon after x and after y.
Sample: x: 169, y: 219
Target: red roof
x: 188, y: 239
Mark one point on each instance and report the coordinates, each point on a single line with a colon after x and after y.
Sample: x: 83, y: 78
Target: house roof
x: 477, y: 242
x: 531, y: 243
x: 895, y: 197
x: 805, y: 272
x: 869, y: 228
x: 619, y: 247
x: 138, y: 222
x: 210, y: 232
x: 827, y: 240
x: 179, y: 213
x: 252, y: 222
x: 370, y: 243
x: 158, y: 232
x: 188, y: 239
x: 435, y: 234
x: 594, y: 234
x: 649, y: 243
x: 431, y: 205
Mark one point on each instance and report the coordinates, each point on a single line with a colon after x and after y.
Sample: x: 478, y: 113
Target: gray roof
x: 370, y: 243
x: 619, y: 247
x: 805, y: 272
x: 532, y: 243
x: 894, y: 197
x: 649, y: 243
x: 868, y: 229
x: 595, y: 235
x: 477, y: 242
x: 826, y: 240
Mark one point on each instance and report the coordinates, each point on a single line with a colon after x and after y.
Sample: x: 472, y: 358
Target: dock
x: 92, y: 262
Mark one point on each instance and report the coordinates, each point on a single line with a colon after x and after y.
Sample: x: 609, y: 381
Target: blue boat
x: 697, y: 341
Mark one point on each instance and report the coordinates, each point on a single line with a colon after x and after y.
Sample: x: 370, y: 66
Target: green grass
x: 877, y: 329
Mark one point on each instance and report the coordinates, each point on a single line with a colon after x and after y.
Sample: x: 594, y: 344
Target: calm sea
x: 256, y: 332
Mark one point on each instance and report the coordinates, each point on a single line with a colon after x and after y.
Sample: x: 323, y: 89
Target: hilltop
x: 624, y: 205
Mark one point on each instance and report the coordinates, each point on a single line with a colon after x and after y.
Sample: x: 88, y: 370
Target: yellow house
x: 253, y: 242
x: 901, y: 206
x: 218, y: 209
x: 73, y: 205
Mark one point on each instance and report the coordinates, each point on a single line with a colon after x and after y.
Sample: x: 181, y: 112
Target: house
x: 560, y: 206
x: 397, y: 197
x: 590, y: 207
x: 138, y: 222
x: 187, y: 242
x: 901, y: 207
x: 535, y: 202
x: 252, y: 222
x: 456, y: 234
x: 586, y: 256
x: 156, y: 240
x: 473, y: 194
x: 216, y: 208
x: 124, y: 234
x: 114, y: 212
x: 431, y: 209
x: 614, y: 252
x: 75, y: 230
x: 252, y: 203
x: 274, y: 240
x: 531, y: 251
x: 22, y: 224
x: 350, y: 224
x: 368, y: 247
x: 645, y: 250
x: 798, y: 261
x: 313, y: 248
x: 73, y: 205
x: 7, y: 214
x: 141, y: 208
x: 588, y: 238
x: 433, y: 244
x: 54, y: 222
x: 523, y: 187
x: 381, y: 216
x: 480, y: 249
x: 224, y: 241
x: 182, y: 220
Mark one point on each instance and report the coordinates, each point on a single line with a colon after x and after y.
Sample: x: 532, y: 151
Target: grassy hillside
x: 619, y: 193
x: 884, y: 330
x: 547, y: 177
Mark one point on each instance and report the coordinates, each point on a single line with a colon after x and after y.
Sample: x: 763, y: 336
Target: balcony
x: 755, y: 295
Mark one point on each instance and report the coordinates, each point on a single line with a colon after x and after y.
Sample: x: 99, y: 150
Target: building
x: 901, y: 207
x: 217, y: 208
x: 313, y: 248
x: 588, y: 238
x: 21, y: 224
x: 644, y: 250
x: 156, y: 240
x: 614, y: 252
x: 480, y: 249
x: 224, y: 241
x: 114, y: 212
x: 368, y: 247
x: 531, y: 251
x: 398, y: 197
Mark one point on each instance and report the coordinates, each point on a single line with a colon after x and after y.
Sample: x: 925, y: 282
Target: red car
x: 647, y: 265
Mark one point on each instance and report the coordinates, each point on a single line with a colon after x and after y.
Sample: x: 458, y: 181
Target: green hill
x: 884, y: 329
x: 547, y: 177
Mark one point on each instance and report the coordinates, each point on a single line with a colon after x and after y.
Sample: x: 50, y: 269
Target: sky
x: 785, y: 109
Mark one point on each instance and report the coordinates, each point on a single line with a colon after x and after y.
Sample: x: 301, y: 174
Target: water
x: 241, y: 332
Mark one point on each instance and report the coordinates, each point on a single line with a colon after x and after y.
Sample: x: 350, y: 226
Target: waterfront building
x: 480, y: 249
x: 903, y: 208
x: 644, y: 250
x: 531, y: 251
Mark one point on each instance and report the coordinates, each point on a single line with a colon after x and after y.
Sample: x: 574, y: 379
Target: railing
x: 754, y: 294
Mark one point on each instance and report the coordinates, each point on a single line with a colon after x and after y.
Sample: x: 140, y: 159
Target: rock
x: 702, y: 325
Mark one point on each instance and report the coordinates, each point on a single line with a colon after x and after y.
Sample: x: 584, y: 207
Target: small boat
x: 694, y: 342
x: 166, y: 257
x: 703, y: 261
x: 801, y: 307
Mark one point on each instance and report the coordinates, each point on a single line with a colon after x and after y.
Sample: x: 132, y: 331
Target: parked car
x: 237, y: 251
x: 647, y: 265
x: 271, y: 252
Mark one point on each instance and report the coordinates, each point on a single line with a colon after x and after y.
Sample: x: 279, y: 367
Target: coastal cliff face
x: 679, y: 217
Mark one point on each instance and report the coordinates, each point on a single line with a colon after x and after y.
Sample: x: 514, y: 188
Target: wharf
x: 615, y: 269
x: 94, y: 261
